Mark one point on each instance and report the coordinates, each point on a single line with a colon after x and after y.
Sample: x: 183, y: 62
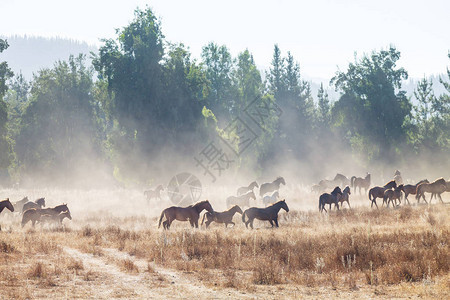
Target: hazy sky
x: 321, y: 34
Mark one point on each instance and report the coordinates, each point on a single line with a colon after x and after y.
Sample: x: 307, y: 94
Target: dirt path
x: 146, y: 285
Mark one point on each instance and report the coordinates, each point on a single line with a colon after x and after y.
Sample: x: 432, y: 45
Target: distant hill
x: 29, y: 54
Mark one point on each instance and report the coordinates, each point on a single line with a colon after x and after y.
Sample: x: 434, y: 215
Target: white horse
x: 271, y: 199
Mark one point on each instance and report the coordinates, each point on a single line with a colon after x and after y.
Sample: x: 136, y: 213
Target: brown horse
x: 436, y: 187
x: 246, y: 189
x: 39, y: 203
x: 269, y: 213
x: 55, y: 218
x: 6, y: 204
x: 190, y: 213
x: 225, y: 217
x: 154, y: 193
x: 360, y: 183
x: 378, y: 192
x: 345, y: 196
x: 34, y: 215
x: 271, y: 186
x: 243, y: 200
x: 410, y: 189
x: 393, y: 196
x: 326, y: 198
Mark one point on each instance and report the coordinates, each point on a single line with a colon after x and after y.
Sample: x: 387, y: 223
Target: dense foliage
x: 152, y: 102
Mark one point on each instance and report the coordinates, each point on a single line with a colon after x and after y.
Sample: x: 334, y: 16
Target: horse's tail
x: 352, y: 181
x: 160, y: 219
x: 370, y: 193
x: 320, y: 204
x: 243, y: 216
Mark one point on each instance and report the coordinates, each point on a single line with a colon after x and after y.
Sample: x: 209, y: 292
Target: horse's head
x: 8, y: 205
x: 336, y: 191
x: 281, y: 180
x: 368, y: 176
x: 67, y: 214
x: 284, y: 205
x: 204, y: 205
x: 237, y: 209
x: 256, y: 184
x: 160, y: 188
x: 400, y: 187
x: 252, y: 195
x: 41, y: 202
x: 61, y: 208
x: 25, y: 199
x: 347, y: 190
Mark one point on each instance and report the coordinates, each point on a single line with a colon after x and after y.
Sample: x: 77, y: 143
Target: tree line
x: 143, y: 96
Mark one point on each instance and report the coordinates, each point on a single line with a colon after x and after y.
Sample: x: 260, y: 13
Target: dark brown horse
x: 436, y: 187
x: 326, y: 198
x: 269, y: 213
x: 34, y: 215
x: 345, y: 196
x: 190, y: 213
x: 393, y: 196
x: 243, y: 200
x: 271, y: 186
x: 378, y: 192
x: 410, y: 189
x: 39, y: 203
x: 6, y: 204
x: 246, y: 189
x: 154, y: 193
x: 360, y: 183
x: 225, y: 217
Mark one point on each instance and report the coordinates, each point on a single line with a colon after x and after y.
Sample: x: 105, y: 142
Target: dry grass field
x: 113, y: 249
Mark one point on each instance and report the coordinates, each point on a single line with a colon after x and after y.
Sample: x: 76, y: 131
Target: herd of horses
x: 192, y: 214
x: 391, y: 192
x: 242, y: 198
x: 34, y: 211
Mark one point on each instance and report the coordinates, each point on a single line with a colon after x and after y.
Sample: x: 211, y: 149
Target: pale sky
x: 321, y: 34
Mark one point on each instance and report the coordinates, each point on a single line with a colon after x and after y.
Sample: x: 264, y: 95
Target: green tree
x: 324, y: 109
x: 5, y: 145
x: 370, y: 112
x: 59, y: 141
x: 218, y: 66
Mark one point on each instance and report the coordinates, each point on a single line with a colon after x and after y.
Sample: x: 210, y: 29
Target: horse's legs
x: 251, y: 223
x: 440, y: 198
x: 271, y: 223
x: 276, y: 221
x: 207, y: 223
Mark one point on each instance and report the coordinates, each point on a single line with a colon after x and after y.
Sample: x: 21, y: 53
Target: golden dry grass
x: 344, y: 254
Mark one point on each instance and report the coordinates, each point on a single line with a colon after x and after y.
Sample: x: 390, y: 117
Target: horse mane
x: 336, y: 190
x: 439, y: 180
x: 278, y: 202
x: 61, y: 206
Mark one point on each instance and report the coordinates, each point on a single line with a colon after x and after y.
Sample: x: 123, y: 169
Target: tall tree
x: 370, y: 112
x: 5, y: 145
x: 218, y: 65
x: 59, y: 141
